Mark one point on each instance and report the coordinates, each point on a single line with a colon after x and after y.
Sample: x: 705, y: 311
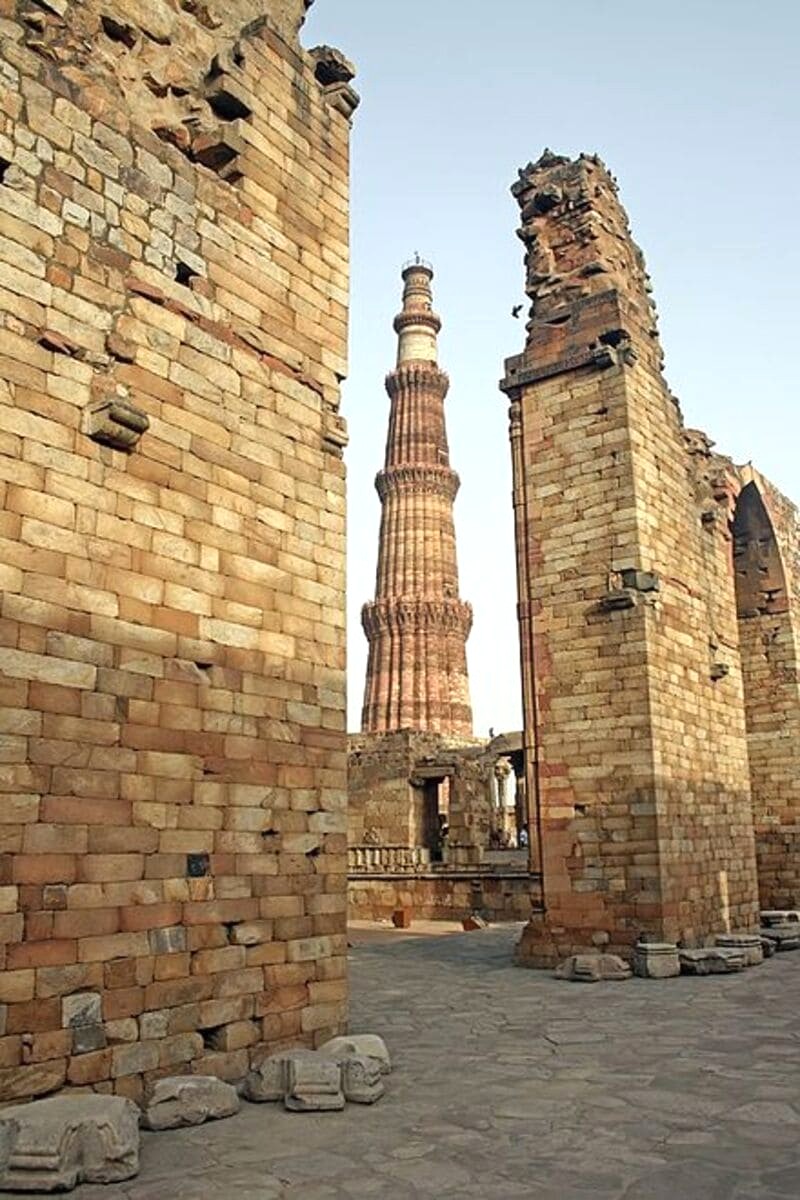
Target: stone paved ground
x: 509, y: 1084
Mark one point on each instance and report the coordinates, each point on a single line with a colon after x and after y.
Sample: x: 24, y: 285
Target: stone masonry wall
x: 634, y: 708
x: 173, y: 307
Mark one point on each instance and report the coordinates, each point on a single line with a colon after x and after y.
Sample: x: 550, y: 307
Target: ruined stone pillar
x: 636, y: 746
x: 417, y: 626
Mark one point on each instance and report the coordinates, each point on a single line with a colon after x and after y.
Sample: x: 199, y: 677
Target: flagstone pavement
x: 509, y: 1083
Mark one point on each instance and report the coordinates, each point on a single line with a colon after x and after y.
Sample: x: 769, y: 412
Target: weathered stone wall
x: 383, y: 805
x: 173, y: 290
x: 634, y: 703
x: 495, y: 896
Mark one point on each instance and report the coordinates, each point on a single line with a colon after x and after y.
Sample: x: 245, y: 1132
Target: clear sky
x: 693, y: 105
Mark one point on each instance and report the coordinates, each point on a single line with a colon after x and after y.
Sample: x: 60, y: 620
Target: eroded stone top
x: 180, y: 66
x: 577, y: 238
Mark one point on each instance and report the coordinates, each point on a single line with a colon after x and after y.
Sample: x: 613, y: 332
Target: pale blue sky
x: 693, y: 105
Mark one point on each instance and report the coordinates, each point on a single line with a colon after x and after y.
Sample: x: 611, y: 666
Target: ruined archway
x: 769, y: 656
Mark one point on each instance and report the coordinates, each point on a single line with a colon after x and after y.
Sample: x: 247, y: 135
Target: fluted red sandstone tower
x: 417, y: 626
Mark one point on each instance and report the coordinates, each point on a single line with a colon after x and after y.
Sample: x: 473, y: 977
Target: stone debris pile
x: 53, y: 1145
x: 189, y: 1100
x: 344, y: 1069
x: 591, y: 968
x: 731, y: 952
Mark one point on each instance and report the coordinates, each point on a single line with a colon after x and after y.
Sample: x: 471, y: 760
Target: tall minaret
x: 416, y: 626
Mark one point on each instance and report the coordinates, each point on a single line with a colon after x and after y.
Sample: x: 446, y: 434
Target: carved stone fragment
x: 268, y: 1081
x: 748, y: 943
x: 780, y: 916
x: 712, y: 960
x: 361, y: 1079
x: 365, y: 1045
x: 313, y: 1084
x: 189, y: 1100
x: 334, y: 72
x: 783, y: 937
x: 118, y: 423
x: 591, y: 968
x: 72, y: 1139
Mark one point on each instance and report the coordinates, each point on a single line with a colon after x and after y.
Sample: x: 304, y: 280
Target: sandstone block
x: 67, y: 1140
x: 783, y: 937
x: 189, y: 1100
x: 656, y: 960
x: 748, y: 943
x: 268, y: 1081
x: 313, y: 1084
x: 363, y: 1045
x: 81, y: 1008
x: 591, y: 968
x: 713, y: 960
x: 361, y: 1079
x: 780, y: 916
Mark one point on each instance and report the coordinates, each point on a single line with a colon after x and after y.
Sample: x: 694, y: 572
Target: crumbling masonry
x: 173, y: 289
x: 659, y: 618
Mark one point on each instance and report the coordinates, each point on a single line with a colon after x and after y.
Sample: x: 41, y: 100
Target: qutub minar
x: 417, y: 627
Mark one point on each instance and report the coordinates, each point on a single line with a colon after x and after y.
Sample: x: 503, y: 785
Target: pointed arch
x: 761, y: 587
x: 768, y: 649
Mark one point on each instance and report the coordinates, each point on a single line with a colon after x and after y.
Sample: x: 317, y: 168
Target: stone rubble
x: 344, y: 1068
x: 712, y: 960
x: 69, y: 1139
x: 366, y: 1045
x: 783, y: 937
x: 591, y: 968
x: 268, y: 1080
x: 362, y: 1081
x: 748, y: 943
x: 189, y: 1100
x: 780, y: 916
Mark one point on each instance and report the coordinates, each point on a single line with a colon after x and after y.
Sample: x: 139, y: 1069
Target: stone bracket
x: 333, y: 71
x: 334, y: 433
x: 117, y: 423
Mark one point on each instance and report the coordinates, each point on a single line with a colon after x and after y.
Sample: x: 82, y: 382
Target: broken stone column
x: 748, y: 943
x: 656, y: 960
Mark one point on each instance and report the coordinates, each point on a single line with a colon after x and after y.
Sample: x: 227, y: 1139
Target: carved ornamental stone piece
x: 71, y: 1139
x: 118, y: 423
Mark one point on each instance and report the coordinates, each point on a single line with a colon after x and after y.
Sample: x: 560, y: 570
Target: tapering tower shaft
x: 417, y: 627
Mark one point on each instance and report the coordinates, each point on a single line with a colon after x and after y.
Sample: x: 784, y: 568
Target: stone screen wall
x: 173, y: 307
